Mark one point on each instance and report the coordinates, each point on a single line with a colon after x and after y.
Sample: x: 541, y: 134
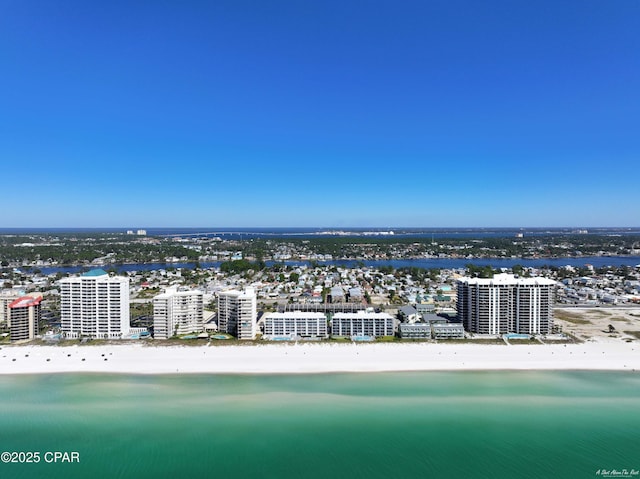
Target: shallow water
x: 387, y: 425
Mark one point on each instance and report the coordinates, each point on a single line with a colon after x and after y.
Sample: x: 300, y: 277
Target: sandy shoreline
x: 315, y: 358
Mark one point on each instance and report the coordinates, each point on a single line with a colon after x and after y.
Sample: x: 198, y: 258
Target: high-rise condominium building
x: 506, y: 304
x: 237, y: 313
x: 95, y: 305
x: 24, y: 317
x: 7, y: 296
x: 177, y: 312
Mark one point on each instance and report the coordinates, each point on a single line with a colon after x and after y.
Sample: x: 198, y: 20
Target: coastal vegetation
x: 72, y: 249
x: 117, y: 248
x: 241, y: 266
x: 481, y: 271
x: 574, y: 318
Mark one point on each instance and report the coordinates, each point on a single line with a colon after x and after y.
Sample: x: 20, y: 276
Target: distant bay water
x: 446, y: 263
x: 496, y: 424
x: 315, y: 232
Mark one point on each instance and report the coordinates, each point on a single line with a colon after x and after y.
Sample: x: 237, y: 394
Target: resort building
x: 295, y: 325
x: 363, y: 323
x: 506, y: 304
x: 177, y: 313
x: 24, y: 317
x: 95, y: 305
x: 237, y: 313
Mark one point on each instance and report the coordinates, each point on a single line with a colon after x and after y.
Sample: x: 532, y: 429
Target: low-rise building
x: 355, y: 294
x: 409, y: 314
x: 447, y: 330
x: 414, y: 330
x: 337, y: 294
x: 425, y: 308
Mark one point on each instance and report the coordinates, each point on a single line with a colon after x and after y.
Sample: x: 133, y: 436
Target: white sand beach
x: 139, y: 358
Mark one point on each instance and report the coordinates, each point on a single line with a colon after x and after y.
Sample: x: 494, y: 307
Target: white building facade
x: 506, y: 304
x: 362, y: 323
x: 177, y: 312
x: 295, y: 325
x: 237, y: 313
x: 95, y: 305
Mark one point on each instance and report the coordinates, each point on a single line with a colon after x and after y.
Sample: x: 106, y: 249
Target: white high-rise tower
x: 506, y: 304
x: 237, y: 313
x: 95, y: 305
x: 177, y: 312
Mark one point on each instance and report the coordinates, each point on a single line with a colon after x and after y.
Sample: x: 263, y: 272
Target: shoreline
x: 306, y: 358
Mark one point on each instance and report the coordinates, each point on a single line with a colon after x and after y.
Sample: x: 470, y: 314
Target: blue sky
x: 328, y: 113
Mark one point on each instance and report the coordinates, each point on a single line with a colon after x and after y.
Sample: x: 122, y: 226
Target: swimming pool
x: 517, y: 336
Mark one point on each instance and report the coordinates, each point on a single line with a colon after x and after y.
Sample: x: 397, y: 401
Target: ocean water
x: 382, y: 425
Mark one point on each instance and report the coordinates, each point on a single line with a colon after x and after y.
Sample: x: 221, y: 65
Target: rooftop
x: 508, y: 279
x: 95, y: 272
x: 173, y: 291
x: 362, y: 314
x: 457, y: 326
x: 296, y: 315
x: 26, y: 301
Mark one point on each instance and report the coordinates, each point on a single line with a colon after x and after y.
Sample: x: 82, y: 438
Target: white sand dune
x: 315, y: 358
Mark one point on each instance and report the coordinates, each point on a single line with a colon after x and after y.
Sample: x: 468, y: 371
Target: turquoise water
x: 382, y: 425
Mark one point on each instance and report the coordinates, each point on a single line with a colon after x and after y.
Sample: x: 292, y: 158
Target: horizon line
x: 337, y: 228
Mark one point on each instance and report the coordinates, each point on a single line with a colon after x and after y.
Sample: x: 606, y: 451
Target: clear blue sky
x: 319, y: 113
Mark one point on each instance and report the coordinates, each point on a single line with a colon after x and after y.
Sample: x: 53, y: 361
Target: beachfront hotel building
x: 362, y: 324
x: 237, y: 313
x: 94, y: 305
x: 177, y: 312
x: 24, y: 317
x: 295, y: 325
x: 506, y: 304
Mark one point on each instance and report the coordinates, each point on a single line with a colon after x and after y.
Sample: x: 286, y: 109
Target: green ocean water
x: 383, y: 425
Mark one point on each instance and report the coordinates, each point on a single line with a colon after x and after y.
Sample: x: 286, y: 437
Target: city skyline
x: 287, y: 114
